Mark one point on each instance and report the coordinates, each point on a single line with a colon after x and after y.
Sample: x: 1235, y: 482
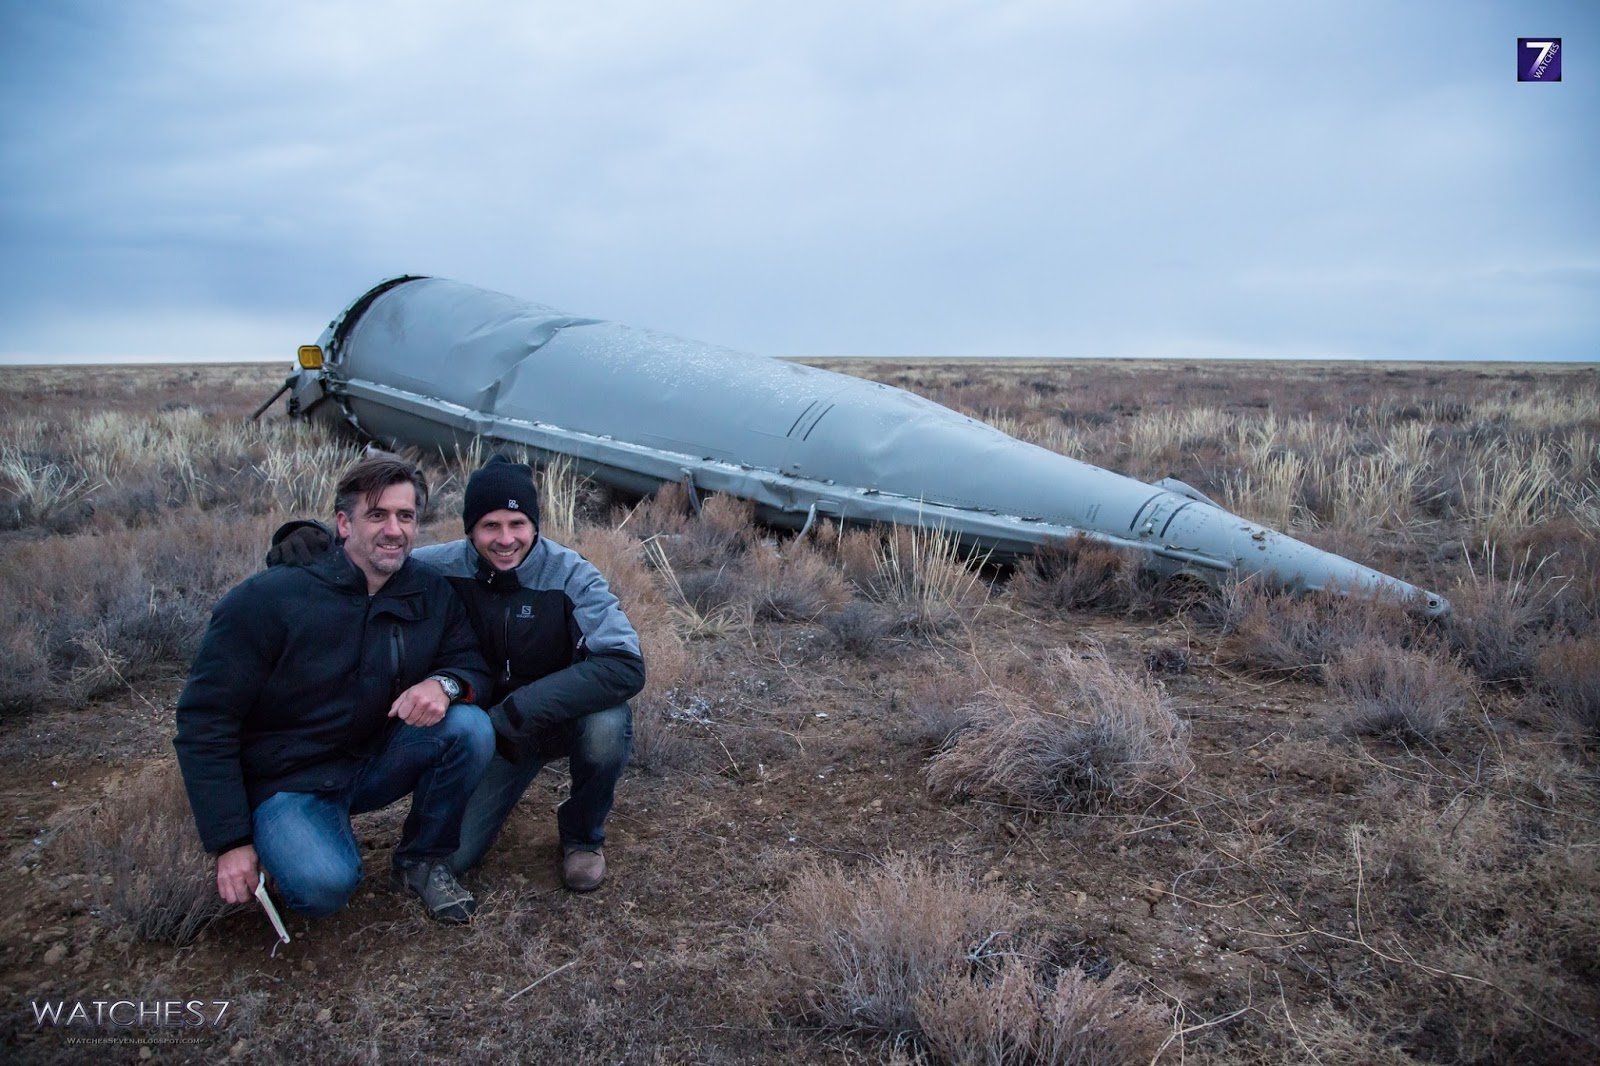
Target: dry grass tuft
x: 922, y: 577
x: 857, y: 952
x: 1025, y: 1013
x: 1491, y: 891
x: 1091, y: 737
x: 1569, y: 676
x: 36, y: 492
x: 940, y: 705
x: 1498, y: 623
x: 710, y: 606
x: 91, y: 616
x: 1398, y: 692
x: 1077, y: 574
x: 916, y: 954
x: 1302, y: 634
x: 716, y: 537
x: 150, y: 874
x: 858, y: 629
x: 798, y: 584
x: 1569, y: 551
x: 560, y: 489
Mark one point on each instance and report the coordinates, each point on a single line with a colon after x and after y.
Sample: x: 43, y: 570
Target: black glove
x: 299, y: 543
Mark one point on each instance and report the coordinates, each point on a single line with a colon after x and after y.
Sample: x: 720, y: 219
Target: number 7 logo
x: 1538, y: 60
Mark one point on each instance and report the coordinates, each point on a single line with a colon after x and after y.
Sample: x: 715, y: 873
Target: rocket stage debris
x: 435, y: 363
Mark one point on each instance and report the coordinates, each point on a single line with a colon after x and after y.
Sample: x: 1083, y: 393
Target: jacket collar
x: 335, y: 568
x: 492, y: 579
x: 506, y: 580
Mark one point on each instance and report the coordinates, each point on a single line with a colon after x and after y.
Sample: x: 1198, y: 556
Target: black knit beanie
x: 500, y: 485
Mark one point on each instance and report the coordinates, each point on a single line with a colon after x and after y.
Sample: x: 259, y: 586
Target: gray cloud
x: 1355, y: 179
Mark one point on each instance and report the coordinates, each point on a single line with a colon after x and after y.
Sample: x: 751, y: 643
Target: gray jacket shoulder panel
x: 454, y: 558
x: 605, y: 627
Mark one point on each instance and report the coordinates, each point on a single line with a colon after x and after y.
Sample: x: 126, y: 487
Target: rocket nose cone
x: 1435, y: 605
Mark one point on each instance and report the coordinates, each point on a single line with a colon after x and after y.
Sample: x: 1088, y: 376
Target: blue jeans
x: 304, y: 841
x: 597, y: 747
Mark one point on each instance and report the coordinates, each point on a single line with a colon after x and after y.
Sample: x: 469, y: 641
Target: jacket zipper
x: 397, y: 651
x: 505, y: 644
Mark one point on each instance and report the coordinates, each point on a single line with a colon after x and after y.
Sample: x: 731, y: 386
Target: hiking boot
x: 437, y: 887
x: 582, y: 871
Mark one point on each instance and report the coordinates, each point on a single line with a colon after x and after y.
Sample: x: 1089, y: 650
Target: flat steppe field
x: 887, y: 803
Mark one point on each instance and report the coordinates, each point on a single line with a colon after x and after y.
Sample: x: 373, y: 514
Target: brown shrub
x: 858, y: 629
x: 1168, y: 659
x: 1090, y: 736
x: 1330, y: 1037
x: 110, y: 610
x: 710, y: 591
x: 1023, y: 1013
x: 1487, y: 889
x: 25, y: 674
x: 1076, y: 574
x: 1301, y: 634
x: 1569, y: 676
x: 856, y: 952
x: 1398, y: 692
x: 858, y: 556
x: 798, y: 585
x: 723, y: 529
x: 729, y: 521
x: 940, y: 705
x: 144, y: 859
x: 1497, y: 624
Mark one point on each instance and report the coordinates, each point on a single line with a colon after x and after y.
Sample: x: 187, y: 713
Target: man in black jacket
x: 565, y: 657
x: 566, y: 660
x: 332, y: 689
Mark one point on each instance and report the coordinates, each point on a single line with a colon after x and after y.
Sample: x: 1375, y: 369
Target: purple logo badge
x: 1538, y: 59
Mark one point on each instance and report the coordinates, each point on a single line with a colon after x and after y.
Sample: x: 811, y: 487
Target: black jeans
x: 597, y: 747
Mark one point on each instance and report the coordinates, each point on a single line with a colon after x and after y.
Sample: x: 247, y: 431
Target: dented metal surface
x: 435, y: 363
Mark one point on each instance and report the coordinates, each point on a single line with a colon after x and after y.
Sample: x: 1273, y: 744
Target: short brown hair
x: 376, y: 471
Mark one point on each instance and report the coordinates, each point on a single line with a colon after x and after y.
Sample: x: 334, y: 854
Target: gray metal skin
x: 435, y: 363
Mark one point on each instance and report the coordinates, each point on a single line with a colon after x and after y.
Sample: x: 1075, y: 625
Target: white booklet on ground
x: 272, y: 912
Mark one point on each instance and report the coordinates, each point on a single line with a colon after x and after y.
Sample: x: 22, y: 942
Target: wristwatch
x: 452, y: 687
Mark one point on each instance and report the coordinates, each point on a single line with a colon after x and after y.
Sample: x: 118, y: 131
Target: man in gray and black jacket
x: 564, y: 656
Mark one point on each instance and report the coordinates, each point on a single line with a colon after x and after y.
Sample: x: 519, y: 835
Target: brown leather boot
x: 582, y: 871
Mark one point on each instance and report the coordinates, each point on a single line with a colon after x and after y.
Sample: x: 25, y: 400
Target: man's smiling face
x: 378, y: 537
x: 504, y: 538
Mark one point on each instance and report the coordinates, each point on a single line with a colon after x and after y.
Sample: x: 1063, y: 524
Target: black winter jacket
x: 556, y: 638
x: 291, y: 689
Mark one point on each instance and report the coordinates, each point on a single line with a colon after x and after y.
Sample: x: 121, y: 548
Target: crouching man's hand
x: 422, y: 705
x: 238, y: 873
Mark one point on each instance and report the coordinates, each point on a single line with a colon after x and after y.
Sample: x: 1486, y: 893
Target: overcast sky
x: 195, y: 179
